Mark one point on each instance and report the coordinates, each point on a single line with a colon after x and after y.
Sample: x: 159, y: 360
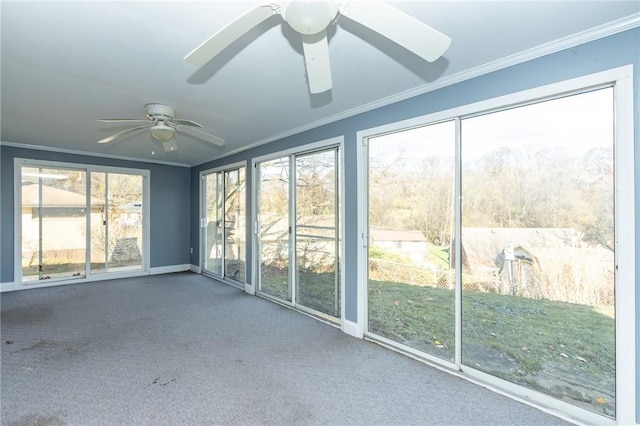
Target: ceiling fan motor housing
x: 309, y: 17
x: 159, y: 112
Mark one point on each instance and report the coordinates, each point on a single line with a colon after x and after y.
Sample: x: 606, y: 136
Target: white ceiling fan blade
x: 228, y: 34
x: 177, y: 121
x: 124, y: 132
x: 170, y: 145
x: 123, y: 120
x: 316, y: 59
x: 193, y: 131
x: 398, y: 27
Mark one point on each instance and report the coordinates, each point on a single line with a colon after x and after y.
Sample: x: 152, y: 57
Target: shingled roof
x: 55, y: 197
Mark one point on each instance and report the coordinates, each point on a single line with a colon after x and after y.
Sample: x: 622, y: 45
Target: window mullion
x: 292, y: 230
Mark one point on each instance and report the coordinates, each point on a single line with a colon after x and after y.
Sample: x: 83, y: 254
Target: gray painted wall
x: 170, y: 205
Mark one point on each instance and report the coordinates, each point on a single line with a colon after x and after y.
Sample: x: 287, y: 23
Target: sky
x: 573, y: 124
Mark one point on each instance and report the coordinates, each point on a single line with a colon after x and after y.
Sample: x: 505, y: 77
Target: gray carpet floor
x: 184, y: 349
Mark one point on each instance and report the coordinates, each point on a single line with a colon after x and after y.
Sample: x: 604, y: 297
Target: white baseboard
x: 13, y: 286
x: 194, y: 268
x: 249, y: 289
x: 169, y: 269
x: 352, y: 329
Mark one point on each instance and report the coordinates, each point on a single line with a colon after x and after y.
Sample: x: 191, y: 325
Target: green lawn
x: 315, y: 290
x: 518, y: 339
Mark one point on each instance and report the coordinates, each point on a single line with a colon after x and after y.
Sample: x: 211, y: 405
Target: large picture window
x: 494, y: 245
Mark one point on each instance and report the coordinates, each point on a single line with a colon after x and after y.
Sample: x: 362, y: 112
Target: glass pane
x: 30, y: 224
x: 214, y: 222
x: 411, y: 296
x: 54, y: 212
x: 234, y: 225
x: 125, y: 221
x: 273, y: 219
x: 116, y: 222
x: 98, y: 200
x: 317, y: 283
x: 538, y: 248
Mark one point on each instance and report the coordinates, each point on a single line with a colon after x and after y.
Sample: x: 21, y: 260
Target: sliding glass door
x: 223, y: 223
x: 298, y: 243
x: 525, y: 289
x: 79, y: 221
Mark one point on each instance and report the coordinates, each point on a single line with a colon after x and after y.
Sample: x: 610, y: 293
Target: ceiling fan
x: 312, y: 17
x: 162, y: 125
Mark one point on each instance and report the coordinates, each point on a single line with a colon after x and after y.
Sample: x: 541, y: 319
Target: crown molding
x: 595, y: 33
x: 92, y: 154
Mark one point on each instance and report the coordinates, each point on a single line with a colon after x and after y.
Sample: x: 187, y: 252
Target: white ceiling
x: 66, y: 64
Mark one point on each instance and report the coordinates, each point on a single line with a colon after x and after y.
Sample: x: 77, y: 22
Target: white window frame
x: 622, y: 81
x: 336, y: 142
x: 18, y: 163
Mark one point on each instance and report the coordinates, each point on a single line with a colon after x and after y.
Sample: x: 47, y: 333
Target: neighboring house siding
x: 411, y: 244
x: 63, y: 219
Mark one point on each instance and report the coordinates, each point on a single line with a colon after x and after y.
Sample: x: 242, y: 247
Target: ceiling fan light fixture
x: 162, y: 132
x: 163, y: 126
x: 310, y: 16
